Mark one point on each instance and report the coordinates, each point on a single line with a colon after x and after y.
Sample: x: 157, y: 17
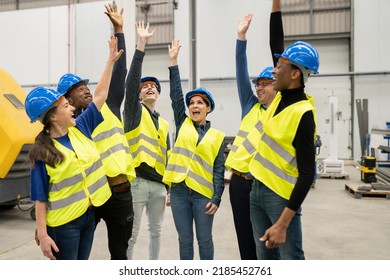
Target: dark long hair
x: 43, y: 148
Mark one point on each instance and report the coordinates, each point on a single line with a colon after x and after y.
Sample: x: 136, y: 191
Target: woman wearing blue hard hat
x: 195, y: 170
x: 285, y: 156
x: 67, y: 175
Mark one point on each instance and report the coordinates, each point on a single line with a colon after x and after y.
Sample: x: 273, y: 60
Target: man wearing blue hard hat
x: 253, y: 106
x: 285, y: 156
x: 148, y: 137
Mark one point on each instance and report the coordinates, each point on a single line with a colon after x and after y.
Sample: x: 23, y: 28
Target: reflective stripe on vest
x: 243, y: 148
x: 112, y: 145
x: 274, y: 163
x: 147, y: 144
x: 79, y: 179
x: 192, y: 162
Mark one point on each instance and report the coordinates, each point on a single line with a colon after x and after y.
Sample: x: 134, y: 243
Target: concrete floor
x: 336, y: 226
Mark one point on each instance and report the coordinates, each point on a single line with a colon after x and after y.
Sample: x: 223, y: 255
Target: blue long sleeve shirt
x: 245, y: 91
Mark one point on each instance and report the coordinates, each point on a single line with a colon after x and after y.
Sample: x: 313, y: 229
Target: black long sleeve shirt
x: 304, y: 146
x: 116, y: 91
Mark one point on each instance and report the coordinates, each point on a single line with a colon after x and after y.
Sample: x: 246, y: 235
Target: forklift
x: 17, y: 135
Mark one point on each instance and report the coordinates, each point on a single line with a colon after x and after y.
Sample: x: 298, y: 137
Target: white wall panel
x: 372, y: 38
x: 333, y: 59
x: 36, y: 48
x: 25, y: 45
x: 58, y: 43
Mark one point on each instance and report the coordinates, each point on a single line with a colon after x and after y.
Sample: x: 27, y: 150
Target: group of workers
x: 88, y: 164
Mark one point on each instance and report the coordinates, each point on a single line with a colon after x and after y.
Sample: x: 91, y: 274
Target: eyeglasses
x: 263, y: 84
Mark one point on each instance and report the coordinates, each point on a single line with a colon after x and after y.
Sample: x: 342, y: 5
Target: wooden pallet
x: 333, y: 176
x: 364, y: 191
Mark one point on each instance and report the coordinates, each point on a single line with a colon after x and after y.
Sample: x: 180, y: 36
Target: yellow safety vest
x: 192, y: 162
x: 77, y: 181
x: 112, y: 145
x: 243, y: 149
x: 148, y: 144
x: 274, y: 163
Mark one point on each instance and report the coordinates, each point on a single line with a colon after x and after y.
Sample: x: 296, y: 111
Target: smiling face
x: 148, y: 92
x: 64, y: 114
x: 79, y: 96
x: 198, y: 109
x: 265, y: 91
x: 286, y: 75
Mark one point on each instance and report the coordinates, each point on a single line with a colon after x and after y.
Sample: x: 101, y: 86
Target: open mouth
x: 196, y: 113
x: 150, y: 93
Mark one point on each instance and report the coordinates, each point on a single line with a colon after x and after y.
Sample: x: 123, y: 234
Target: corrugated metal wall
x: 308, y: 17
x: 300, y: 17
x: 160, y: 16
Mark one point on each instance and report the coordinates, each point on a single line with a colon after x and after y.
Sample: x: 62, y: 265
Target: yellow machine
x: 17, y: 135
x: 368, y: 169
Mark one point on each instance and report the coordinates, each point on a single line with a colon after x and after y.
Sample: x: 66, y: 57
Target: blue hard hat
x: 302, y: 54
x: 39, y: 101
x: 265, y: 74
x: 67, y: 81
x: 203, y: 91
x: 152, y: 79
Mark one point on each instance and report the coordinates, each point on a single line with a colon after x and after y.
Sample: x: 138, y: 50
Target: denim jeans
x: 265, y: 209
x: 188, y: 207
x: 74, y: 239
x: 118, y: 215
x: 152, y: 196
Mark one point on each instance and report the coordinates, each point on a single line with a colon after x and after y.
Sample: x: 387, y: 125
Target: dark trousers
x: 239, y: 190
x: 118, y: 214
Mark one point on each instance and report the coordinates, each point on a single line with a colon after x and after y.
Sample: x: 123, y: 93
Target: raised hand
x: 173, y: 50
x: 115, y: 17
x: 114, y: 53
x: 143, y: 32
x: 243, y: 26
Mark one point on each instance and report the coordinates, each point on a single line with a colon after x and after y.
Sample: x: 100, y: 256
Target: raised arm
x: 143, y: 35
x: 132, y: 106
x: 101, y: 91
x: 244, y: 86
x: 276, y: 40
x: 176, y: 91
x: 276, y: 6
x: 116, y: 92
x: 243, y: 27
x: 115, y: 17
